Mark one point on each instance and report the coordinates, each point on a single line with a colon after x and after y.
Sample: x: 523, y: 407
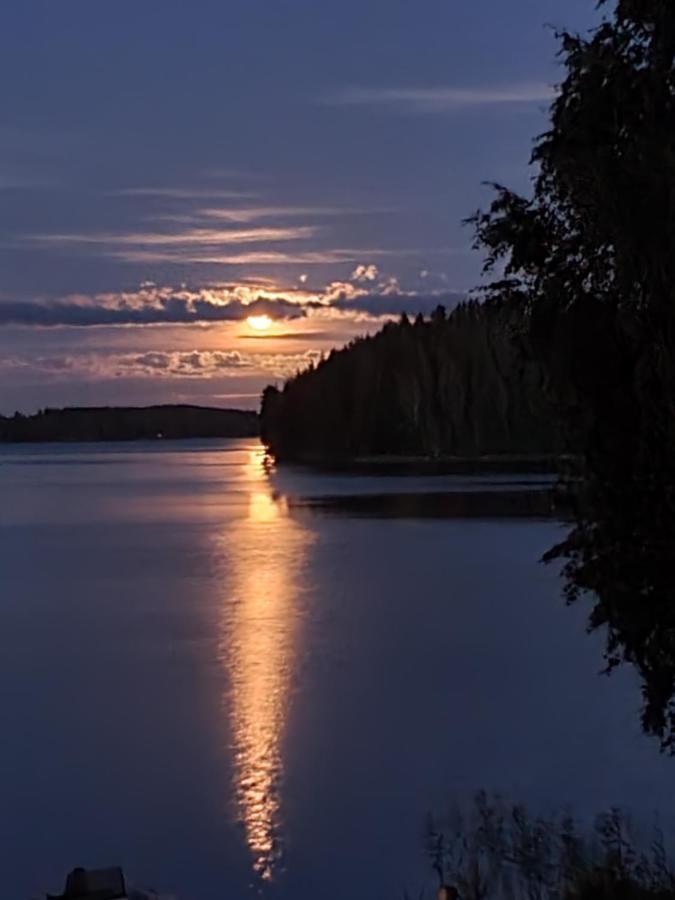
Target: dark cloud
x: 163, y: 310
x: 159, y: 308
x: 397, y: 302
x: 335, y: 336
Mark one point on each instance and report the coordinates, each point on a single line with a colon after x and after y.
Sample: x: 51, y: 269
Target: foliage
x: 591, y: 259
x: 498, y: 851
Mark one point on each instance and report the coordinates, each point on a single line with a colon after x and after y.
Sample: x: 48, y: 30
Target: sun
x: 259, y: 323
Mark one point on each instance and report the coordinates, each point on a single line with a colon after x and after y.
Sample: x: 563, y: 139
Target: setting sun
x: 259, y: 323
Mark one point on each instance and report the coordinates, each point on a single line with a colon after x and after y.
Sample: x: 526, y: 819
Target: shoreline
x: 490, y: 464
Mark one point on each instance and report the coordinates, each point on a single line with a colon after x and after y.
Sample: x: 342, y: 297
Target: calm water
x: 226, y: 691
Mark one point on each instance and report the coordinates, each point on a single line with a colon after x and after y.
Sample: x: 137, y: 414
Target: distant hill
x: 128, y: 423
x: 463, y: 385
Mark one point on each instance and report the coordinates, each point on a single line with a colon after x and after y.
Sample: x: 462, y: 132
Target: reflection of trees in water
x: 621, y: 549
x: 498, y: 502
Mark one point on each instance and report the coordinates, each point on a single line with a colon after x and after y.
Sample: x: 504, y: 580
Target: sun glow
x: 259, y: 323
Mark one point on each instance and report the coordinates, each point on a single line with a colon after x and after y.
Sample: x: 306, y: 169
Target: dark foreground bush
x: 498, y: 851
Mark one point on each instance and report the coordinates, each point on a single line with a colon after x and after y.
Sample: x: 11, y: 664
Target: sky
x: 200, y: 198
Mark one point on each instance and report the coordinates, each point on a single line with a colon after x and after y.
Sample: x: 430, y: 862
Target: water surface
x: 217, y: 678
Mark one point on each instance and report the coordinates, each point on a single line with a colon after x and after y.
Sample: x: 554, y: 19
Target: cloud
x: 193, y: 363
x: 441, y: 98
x: 200, y: 236
x: 209, y: 246
x: 209, y: 363
x: 373, y: 295
x: 254, y: 257
x: 246, y: 214
x: 394, y: 303
x: 174, y: 193
x: 335, y: 336
x: 163, y: 364
x: 365, y: 273
x: 146, y: 308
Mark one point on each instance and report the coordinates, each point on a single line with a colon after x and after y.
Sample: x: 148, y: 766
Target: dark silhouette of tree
x: 495, y: 850
x: 466, y: 384
x: 590, y: 258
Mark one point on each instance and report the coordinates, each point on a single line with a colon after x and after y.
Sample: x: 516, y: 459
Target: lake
x: 230, y: 682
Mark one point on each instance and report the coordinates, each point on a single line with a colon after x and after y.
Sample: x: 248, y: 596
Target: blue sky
x: 165, y: 164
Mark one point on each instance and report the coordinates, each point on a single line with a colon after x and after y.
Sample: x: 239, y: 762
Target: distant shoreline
x: 127, y: 423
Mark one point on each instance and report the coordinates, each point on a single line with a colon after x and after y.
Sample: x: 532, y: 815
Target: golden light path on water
x: 259, y: 630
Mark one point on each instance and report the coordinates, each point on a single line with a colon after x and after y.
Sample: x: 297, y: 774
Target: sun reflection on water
x: 259, y: 631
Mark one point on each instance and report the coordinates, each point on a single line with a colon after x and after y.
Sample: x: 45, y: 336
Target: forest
x: 127, y: 423
x: 462, y: 384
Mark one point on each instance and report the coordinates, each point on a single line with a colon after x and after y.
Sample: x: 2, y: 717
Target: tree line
x: 464, y: 384
x: 109, y: 423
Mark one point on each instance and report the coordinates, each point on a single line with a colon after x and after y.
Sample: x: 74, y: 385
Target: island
x: 128, y: 423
